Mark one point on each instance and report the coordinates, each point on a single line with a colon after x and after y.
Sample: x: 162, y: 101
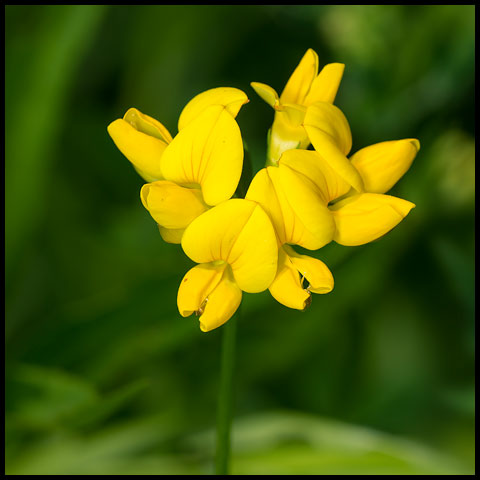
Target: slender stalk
x: 225, y: 398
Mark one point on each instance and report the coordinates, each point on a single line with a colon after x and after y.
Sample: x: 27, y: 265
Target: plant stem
x: 225, y: 398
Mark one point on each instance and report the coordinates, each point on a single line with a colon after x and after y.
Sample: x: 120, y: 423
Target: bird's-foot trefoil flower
x: 199, y: 168
x: 362, y: 218
x: 142, y: 139
x: 235, y: 246
x: 302, y: 197
x: 297, y: 277
x: 304, y: 87
x: 300, y: 217
x: 359, y: 217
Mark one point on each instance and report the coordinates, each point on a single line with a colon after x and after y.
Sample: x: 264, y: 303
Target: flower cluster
x: 306, y: 197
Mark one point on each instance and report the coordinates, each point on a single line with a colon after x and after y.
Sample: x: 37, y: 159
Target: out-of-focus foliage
x: 103, y: 376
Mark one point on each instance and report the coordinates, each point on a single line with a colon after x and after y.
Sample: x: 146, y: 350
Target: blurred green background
x: 103, y: 376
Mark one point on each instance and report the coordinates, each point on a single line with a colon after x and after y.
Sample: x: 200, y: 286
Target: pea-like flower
x: 302, y: 197
x: 142, y: 139
x: 310, y: 204
x: 362, y: 218
x: 300, y: 217
x: 304, y: 87
x: 235, y: 246
x: 201, y: 166
x: 197, y: 169
x: 359, y: 217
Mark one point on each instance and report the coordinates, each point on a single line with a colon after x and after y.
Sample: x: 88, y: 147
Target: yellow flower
x: 235, y: 246
x: 304, y: 87
x: 293, y: 269
x: 310, y: 204
x: 302, y: 197
x: 359, y: 217
x: 300, y: 217
x: 362, y: 218
x: 199, y: 168
x: 142, y: 139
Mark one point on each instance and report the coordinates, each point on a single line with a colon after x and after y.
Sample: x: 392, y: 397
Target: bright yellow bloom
x: 235, y: 246
x: 302, y: 197
x: 310, y: 204
x: 362, y: 218
x: 304, y: 87
x: 300, y: 217
x: 359, y: 218
x: 288, y: 287
x: 199, y: 168
x: 142, y: 139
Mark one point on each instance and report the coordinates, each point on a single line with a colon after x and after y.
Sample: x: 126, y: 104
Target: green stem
x: 225, y: 398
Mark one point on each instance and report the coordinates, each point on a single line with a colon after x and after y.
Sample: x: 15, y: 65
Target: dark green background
x: 103, y: 374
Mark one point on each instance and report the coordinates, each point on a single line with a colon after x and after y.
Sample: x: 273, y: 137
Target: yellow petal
x: 196, y: 286
x: 324, y: 88
x: 299, y: 214
x: 262, y: 191
x: 253, y: 256
x: 231, y: 98
x: 308, y: 221
x: 329, y: 132
x: 171, y: 235
x: 143, y: 150
x: 313, y: 166
x: 239, y: 232
x: 299, y: 83
x: 221, y: 303
x: 207, y: 152
x: 365, y: 217
x: 329, y: 120
x: 381, y: 165
x: 171, y: 205
x: 148, y: 125
x: 266, y: 93
x: 287, y: 288
x: 314, y: 270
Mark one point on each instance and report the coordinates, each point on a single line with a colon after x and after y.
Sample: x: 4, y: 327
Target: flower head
x: 304, y: 87
x: 311, y: 204
x: 363, y: 217
x: 359, y: 218
x: 302, y: 197
x: 235, y: 245
x: 197, y: 169
x: 300, y: 217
